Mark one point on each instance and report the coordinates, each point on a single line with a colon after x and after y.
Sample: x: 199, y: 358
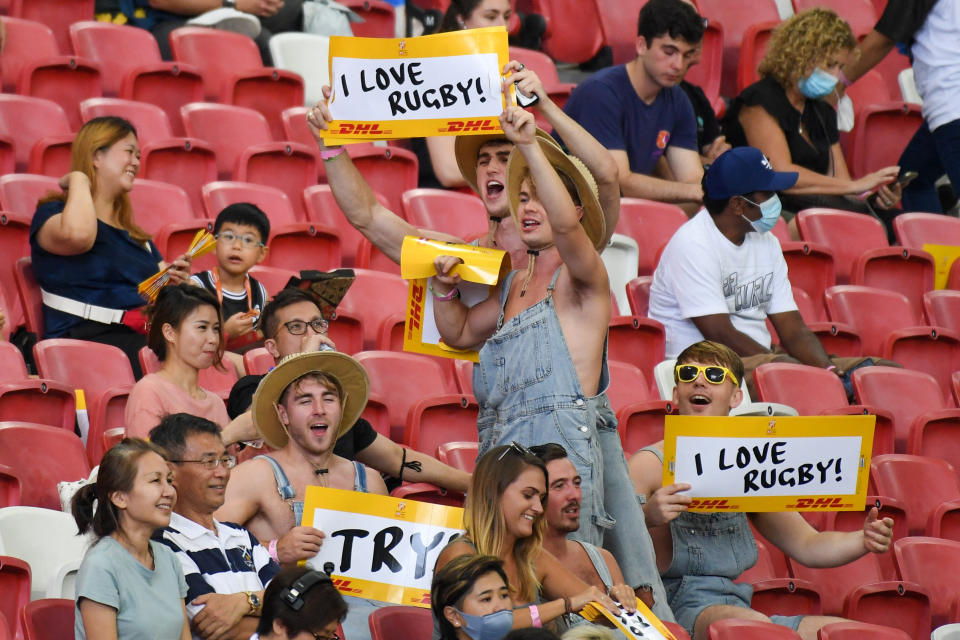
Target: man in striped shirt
x: 225, y: 567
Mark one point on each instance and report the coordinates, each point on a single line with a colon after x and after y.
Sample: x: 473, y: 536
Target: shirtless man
x: 300, y: 408
x: 542, y: 369
x: 707, y: 376
x: 596, y: 567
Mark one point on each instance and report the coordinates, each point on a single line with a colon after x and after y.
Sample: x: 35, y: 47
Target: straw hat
x: 592, y: 219
x: 354, y: 384
x: 467, y: 148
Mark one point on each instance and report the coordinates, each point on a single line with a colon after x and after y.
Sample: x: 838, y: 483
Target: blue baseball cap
x: 744, y: 170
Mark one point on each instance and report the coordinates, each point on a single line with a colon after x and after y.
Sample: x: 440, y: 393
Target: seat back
x: 638, y: 295
x: 574, y: 32
x: 25, y: 120
x: 440, y: 419
x: 42, y: 456
x: 921, y: 483
x: 627, y: 385
x: 637, y: 341
x: 618, y: 19
x: 378, y: 16
x: 186, y: 162
x: 28, y: 290
x: 218, y: 54
x: 21, y: 192
x: 48, y: 619
x: 400, y: 622
x: 916, y: 229
x: 942, y: 309
x: 14, y: 244
x: 872, y: 312
x: 899, y: 269
x: 118, y: 49
x: 737, y: 629
x: 27, y: 41
x: 845, y: 233
x: 651, y: 224
x: 273, y: 202
x: 57, y: 14
x: 228, y: 128
x: 882, y: 132
x: 934, y: 563
x: 459, y: 455
x: 856, y: 630
x: 389, y: 170
x: 150, y: 121
x: 904, y: 393
x: 459, y: 214
x: 14, y: 595
x: 753, y: 46
x: 159, y: 203
x: 321, y: 206
x: 86, y: 365
x: 45, y: 538
x: 258, y: 361
x: 809, y: 390
x: 373, y: 297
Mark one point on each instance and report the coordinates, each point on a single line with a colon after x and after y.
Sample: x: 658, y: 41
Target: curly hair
x: 803, y: 42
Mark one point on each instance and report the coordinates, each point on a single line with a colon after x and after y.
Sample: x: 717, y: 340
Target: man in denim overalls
x: 700, y: 555
x: 542, y: 369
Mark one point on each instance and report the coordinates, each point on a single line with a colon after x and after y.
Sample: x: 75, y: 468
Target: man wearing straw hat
x: 543, y: 368
x: 300, y: 409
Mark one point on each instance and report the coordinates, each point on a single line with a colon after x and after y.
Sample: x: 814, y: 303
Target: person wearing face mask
x: 786, y: 116
x: 722, y: 275
x: 470, y: 599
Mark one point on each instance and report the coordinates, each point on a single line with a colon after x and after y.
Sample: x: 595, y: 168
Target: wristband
x: 832, y: 367
x: 272, y: 550
x: 329, y: 154
x: 535, y: 617
x: 453, y: 293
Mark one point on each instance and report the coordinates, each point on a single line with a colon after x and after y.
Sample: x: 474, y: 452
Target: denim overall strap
x: 359, y: 477
x: 285, y: 489
x: 598, y: 563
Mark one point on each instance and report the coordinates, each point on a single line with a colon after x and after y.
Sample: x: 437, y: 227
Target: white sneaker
x: 228, y: 19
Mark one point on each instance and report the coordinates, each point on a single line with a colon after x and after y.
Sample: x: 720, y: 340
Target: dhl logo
x: 721, y: 504
x: 343, y: 586
x: 421, y: 599
x: 350, y: 128
x: 819, y: 503
x: 416, y: 309
x: 458, y: 126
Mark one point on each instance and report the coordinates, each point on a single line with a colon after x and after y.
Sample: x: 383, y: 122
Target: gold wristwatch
x: 254, y: 601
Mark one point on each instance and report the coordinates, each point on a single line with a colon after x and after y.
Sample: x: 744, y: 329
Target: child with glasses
x: 242, y: 231
x: 700, y: 555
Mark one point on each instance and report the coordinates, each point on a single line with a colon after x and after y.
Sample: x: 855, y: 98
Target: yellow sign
x: 442, y: 84
x: 943, y: 258
x: 481, y: 269
x: 642, y: 625
x: 770, y: 464
x: 381, y: 548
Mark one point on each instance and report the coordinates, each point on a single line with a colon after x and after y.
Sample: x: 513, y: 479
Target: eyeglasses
x: 212, y: 462
x: 299, y: 327
x: 517, y: 448
x: 714, y: 374
x: 247, y: 240
x: 320, y: 636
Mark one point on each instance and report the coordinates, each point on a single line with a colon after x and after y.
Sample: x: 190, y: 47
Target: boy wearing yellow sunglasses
x: 700, y: 555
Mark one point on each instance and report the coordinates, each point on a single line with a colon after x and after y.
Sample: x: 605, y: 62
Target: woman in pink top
x: 185, y: 334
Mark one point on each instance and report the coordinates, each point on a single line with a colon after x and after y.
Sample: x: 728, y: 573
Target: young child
x: 241, y: 230
x: 699, y: 566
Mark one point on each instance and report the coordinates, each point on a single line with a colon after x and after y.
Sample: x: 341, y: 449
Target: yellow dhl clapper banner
x: 442, y: 84
x: 381, y: 548
x: 481, y: 269
x: 641, y: 625
x: 943, y: 258
x: 770, y: 463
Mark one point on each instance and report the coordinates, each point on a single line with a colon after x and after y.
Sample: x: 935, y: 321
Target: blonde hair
x: 711, y: 353
x: 803, y: 42
x: 483, y: 513
x: 588, y: 632
x: 99, y: 134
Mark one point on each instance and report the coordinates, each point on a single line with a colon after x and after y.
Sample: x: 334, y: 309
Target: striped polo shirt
x: 229, y: 560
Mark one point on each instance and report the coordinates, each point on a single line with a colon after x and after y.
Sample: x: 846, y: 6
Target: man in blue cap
x: 722, y: 275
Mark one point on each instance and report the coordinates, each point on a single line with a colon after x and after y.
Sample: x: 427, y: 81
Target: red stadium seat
x: 574, y: 32
x: 774, y: 591
x: 388, y: 170
x: 273, y: 279
x: 626, y: 381
x: 27, y: 120
x: 638, y: 341
x: 373, y: 297
x: 132, y: 68
x: 102, y: 371
x: 901, y: 269
x: 706, y: 74
x: 188, y: 163
x: 618, y: 18
x: 638, y: 294
x: 934, y: 350
x: 369, y: 257
x: 923, y: 420
x: 640, y: 421
x: 48, y: 619
x: 27, y: 41
x: 378, y: 16
x: 164, y: 211
x: 882, y: 133
x: 678, y: 632
x: 651, y: 224
x: 734, y: 629
x: 736, y: 17
x: 57, y: 14
x: 65, y: 80
x: 28, y: 291
x: 407, y: 622
x: 459, y: 455
x: 836, y: 338
x: 853, y: 521
x: 14, y: 595
x: 293, y: 244
x: 150, y: 121
x: 873, y: 313
x: 811, y: 268
x: 37, y: 400
x: 859, y: 14
x: 916, y: 229
x: 753, y: 46
x: 234, y: 74
x: 934, y: 563
x: 845, y: 234
x: 869, y: 89
x: 41, y: 456
x: 258, y: 362
x: 813, y: 391
x: 9, y: 487
x: 942, y: 309
x: 14, y: 244
x: 927, y: 486
x: 458, y: 214
x: 321, y: 206
x: 546, y: 70
x: 20, y: 192
x: 857, y: 630
x: 426, y: 492
x: 436, y: 420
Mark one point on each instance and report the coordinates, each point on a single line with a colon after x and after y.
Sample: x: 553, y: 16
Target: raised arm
x: 74, y: 230
x: 382, y: 227
x: 386, y: 456
x: 578, y: 140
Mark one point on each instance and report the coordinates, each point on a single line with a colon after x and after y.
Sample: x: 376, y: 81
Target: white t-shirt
x: 702, y: 273
x: 936, y: 63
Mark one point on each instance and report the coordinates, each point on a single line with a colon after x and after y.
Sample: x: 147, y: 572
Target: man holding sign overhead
x: 701, y: 584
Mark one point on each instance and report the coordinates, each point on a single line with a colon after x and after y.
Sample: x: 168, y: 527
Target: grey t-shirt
x: 149, y: 603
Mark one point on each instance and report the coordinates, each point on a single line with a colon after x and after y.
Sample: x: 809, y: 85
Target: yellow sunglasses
x: 712, y: 373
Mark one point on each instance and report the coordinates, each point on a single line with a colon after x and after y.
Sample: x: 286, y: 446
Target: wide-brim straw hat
x: 467, y: 148
x: 592, y: 218
x: 350, y: 374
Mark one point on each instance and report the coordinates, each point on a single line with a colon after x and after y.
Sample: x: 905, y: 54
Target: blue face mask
x: 817, y: 85
x: 769, y: 214
x: 492, y: 626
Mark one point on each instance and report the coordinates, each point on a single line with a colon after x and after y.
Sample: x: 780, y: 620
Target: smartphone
x: 906, y: 178
x: 523, y: 99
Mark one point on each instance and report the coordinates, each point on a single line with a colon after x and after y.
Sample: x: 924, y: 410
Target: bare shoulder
x: 646, y: 471
x: 253, y: 475
x: 452, y: 551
